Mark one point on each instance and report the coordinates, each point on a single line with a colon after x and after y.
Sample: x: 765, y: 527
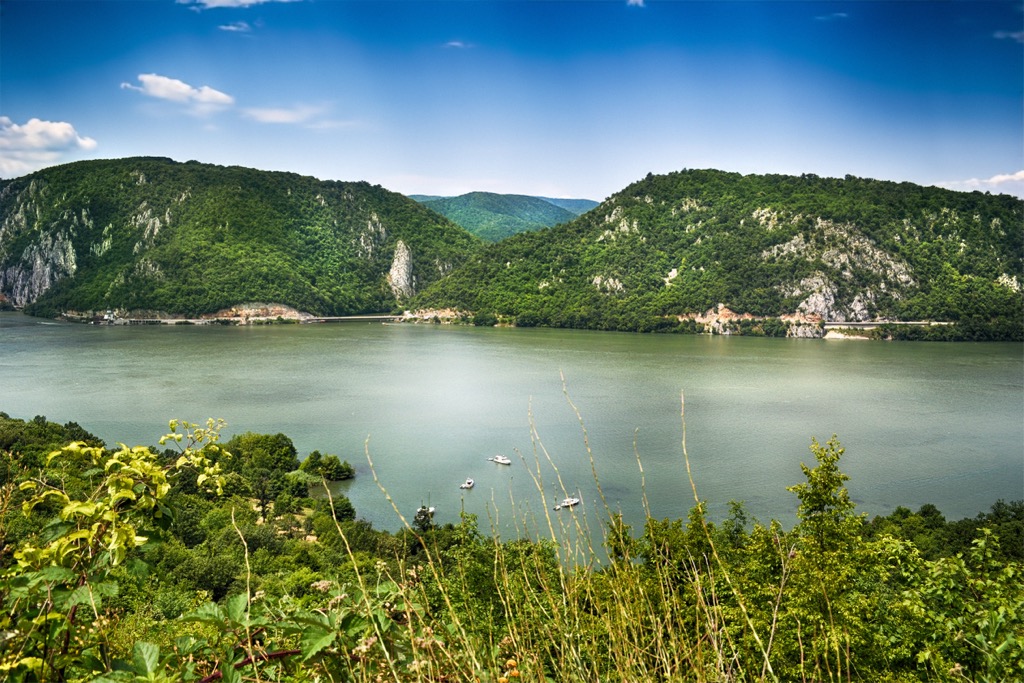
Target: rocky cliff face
x: 40, y: 267
x: 39, y: 264
x: 400, y: 277
x: 850, y: 256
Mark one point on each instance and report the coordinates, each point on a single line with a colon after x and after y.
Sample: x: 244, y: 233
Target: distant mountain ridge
x: 575, y: 206
x: 151, y: 234
x: 493, y: 217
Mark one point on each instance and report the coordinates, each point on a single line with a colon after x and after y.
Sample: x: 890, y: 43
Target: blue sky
x: 565, y: 99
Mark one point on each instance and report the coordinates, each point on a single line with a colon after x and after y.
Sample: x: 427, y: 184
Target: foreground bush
x: 127, y: 578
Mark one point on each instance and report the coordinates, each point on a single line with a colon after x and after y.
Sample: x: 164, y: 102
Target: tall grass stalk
x: 571, y: 603
x: 714, y: 551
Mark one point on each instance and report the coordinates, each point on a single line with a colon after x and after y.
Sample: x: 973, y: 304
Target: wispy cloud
x: 636, y: 3
x: 200, y: 101
x: 286, y: 115
x: 1011, y: 183
x: 236, y: 27
x: 834, y: 16
x: 307, y: 116
x: 1010, y: 35
x: 216, y: 4
x: 36, y: 144
x: 458, y: 44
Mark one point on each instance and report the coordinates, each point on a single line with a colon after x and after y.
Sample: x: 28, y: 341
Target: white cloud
x: 835, y: 16
x: 1007, y: 178
x: 37, y: 144
x: 457, y: 44
x: 202, y: 100
x: 635, y: 3
x: 1008, y: 183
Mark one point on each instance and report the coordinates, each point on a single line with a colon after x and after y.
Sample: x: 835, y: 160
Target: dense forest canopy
x: 149, y: 234
x: 768, y: 245
x: 493, y: 217
x: 201, y: 559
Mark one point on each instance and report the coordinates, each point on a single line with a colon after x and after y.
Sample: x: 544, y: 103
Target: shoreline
x: 715, y: 322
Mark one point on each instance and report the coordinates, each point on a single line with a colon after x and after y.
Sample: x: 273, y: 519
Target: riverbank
x: 719, y: 320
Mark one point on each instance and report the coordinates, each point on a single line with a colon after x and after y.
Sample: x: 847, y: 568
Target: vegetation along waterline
x: 161, y: 563
x: 691, y: 251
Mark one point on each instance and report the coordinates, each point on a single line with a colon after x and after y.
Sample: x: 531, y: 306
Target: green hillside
x: 674, y: 245
x: 666, y: 253
x: 493, y: 217
x: 149, y: 234
x: 574, y: 206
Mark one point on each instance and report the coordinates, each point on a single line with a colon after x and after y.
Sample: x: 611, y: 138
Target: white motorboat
x: 468, y: 484
x: 501, y: 459
x: 568, y: 503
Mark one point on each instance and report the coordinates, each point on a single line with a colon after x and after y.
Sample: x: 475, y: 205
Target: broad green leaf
x: 145, y: 658
x: 50, y: 493
x: 122, y: 494
x: 56, y: 574
x: 83, y: 595
x: 187, y: 645
x: 107, y: 588
x: 208, y: 613
x: 230, y: 674
x: 313, y: 640
x: 76, y: 507
x: 236, y: 606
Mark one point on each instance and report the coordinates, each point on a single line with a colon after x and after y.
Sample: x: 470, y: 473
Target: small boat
x: 501, y: 459
x: 468, y: 484
x: 567, y: 503
x: 424, y: 510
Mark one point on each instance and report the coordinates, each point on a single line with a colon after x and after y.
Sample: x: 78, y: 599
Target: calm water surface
x: 938, y: 423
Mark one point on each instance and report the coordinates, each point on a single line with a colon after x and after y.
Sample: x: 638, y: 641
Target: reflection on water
x: 939, y: 423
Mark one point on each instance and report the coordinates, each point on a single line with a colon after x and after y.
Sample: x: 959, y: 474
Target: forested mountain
x: 493, y: 217
x: 692, y: 250
x: 671, y: 246
x: 149, y: 234
x: 577, y: 207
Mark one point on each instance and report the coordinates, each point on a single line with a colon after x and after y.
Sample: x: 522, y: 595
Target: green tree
x: 53, y: 596
x: 272, y: 452
x: 826, y: 513
x: 330, y: 467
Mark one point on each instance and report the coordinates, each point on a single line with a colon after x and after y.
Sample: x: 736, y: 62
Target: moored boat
x: 567, y: 503
x: 501, y: 459
x: 468, y: 484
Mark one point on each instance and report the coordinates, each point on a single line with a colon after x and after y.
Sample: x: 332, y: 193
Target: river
x: 920, y: 422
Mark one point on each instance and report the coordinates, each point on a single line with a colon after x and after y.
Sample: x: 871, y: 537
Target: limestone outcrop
x: 400, y: 277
